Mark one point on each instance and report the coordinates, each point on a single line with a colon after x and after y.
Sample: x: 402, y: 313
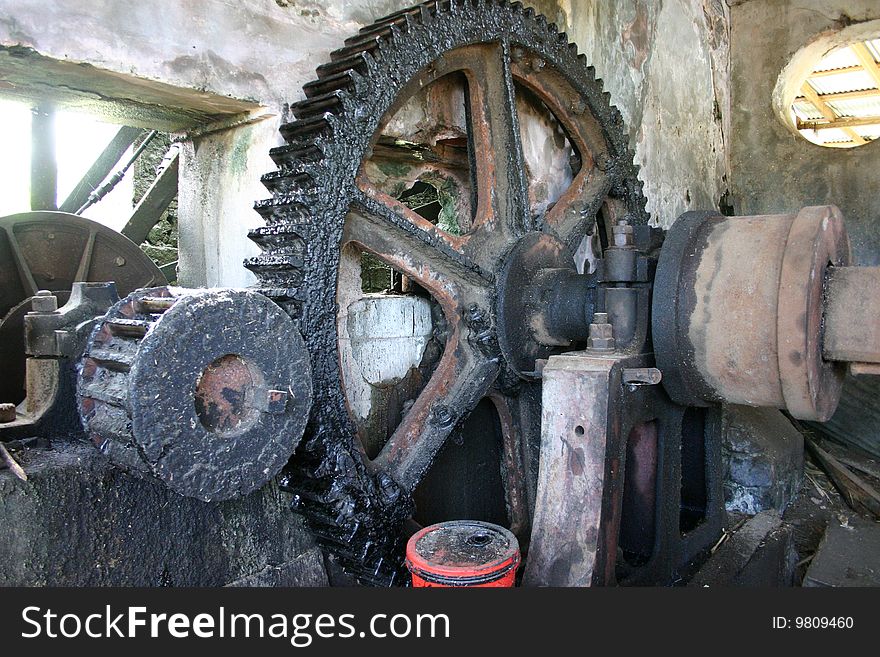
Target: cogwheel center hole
x: 224, y: 395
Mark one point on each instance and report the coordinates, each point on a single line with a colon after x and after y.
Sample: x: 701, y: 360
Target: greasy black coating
x: 673, y: 304
x: 355, y: 510
x: 137, y: 393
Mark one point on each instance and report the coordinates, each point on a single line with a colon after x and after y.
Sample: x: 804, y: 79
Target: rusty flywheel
x: 324, y: 200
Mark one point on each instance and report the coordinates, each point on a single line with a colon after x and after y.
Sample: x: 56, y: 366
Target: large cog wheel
x: 322, y: 200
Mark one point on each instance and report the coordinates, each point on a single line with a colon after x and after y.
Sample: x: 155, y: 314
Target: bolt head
x: 601, y: 331
x: 600, y: 344
x: 44, y: 302
x: 7, y: 413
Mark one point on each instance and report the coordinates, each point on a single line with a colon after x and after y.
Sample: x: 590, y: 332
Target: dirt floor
x: 820, y: 503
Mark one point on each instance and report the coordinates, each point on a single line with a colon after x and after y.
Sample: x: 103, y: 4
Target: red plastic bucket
x: 463, y: 553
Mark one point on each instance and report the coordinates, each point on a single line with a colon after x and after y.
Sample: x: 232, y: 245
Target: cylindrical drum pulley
x: 739, y: 310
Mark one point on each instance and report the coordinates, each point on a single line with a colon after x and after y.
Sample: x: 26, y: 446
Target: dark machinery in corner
x: 604, y: 351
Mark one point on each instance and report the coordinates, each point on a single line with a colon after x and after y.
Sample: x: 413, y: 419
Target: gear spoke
x: 576, y: 209
x: 411, y: 244
x: 503, y: 212
x: 462, y: 378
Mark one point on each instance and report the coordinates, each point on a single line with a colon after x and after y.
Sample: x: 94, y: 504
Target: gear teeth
x: 380, y: 28
x: 112, y: 360
x: 307, y: 129
x: 373, y: 31
x: 335, y: 490
x: 287, y: 179
x: 288, y: 241
x: 134, y: 328
x: 108, y: 387
x: 356, y: 62
x: 289, y: 298
x: 318, y: 105
x: 277, y: 210
x: 104, y: 374
x: 397, y: 15
x: 340, y: 82
x: 362, y: 46
x: 291, y: 154
x: 274, y: 263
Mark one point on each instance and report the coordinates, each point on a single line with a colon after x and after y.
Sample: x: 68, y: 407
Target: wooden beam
x: 44, y: 165
x: 843, y: 124
x: 829, y: 113
x: 866, y: 59
x: 153, y: 203
x: 858, y: 494
x: 847, y: 95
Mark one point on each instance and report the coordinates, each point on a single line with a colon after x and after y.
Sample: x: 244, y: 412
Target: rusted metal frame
x: 503, y: 209
x: 566, y: 218
x: 463, y: 374
x: 581, y: 523
x: 565, y: 541
x: 569, y: 220
x: 390, y: 218
x: 513, y: 470
x: 462, y: 378
x: 588, y: 417
x: 455, y: 61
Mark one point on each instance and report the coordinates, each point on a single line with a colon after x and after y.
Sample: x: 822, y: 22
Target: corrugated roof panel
x: 820, y: 136
x: 870, y: 132
x: 841, y: 82
x: 831, y: 84
x: 856, y: 106
x: 837, y: 59
x: 805, y: 111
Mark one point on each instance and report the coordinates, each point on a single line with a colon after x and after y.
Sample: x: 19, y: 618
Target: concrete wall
x: 774, y: 169
x: 208, y: 60
x: 200, y: 59
x: 665, y: 65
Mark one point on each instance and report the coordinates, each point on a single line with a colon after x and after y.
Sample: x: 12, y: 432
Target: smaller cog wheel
x: 206, y: 390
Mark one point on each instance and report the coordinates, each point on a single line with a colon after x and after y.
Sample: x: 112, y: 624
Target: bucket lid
x: 462, y: 549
